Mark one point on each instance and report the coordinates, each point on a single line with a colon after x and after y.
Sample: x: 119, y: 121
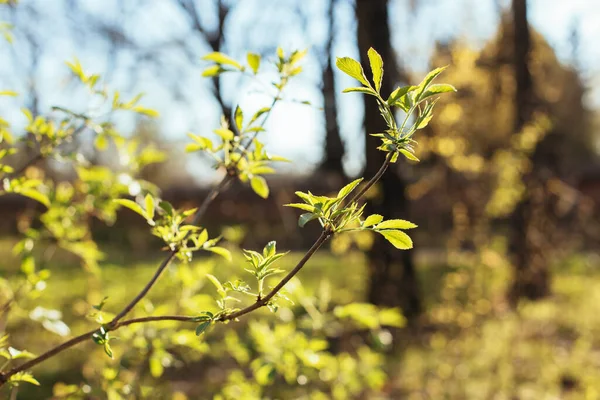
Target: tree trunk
x: 334, y: 148
x: 531, y: 275
x: 393, y: 280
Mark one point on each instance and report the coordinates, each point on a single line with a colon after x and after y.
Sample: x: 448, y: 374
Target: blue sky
x: 295, y: 131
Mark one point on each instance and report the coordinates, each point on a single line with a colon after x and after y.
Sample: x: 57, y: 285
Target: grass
x: 469, y: 344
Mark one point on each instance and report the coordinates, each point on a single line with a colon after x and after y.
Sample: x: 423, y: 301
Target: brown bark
x: 334, y: 148
x: 393, y: 281
x: 531, y: 274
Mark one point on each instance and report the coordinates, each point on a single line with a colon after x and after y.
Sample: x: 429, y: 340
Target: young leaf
x: 396, y: 224
x: 438, y: 88
x: 223, y: 252
x: 221, y: 58
x: 376, y: 67
x: 260, y: 187
x: 211, y: 71
x: 399, y: 239
x: 200, y: 329
x: 217, y: 284
x: 224, y: 133
x: 270, y: 249
x: 149, y: 203
x: 346, y: 190
x: 361, y: 90
x: 353, y: 68
x: 372, y: 220
x: 146, y: 111
x: 424, y: 85
x: 305, y: 218
x: 302, y: 206
x: 254, y: 62
x: 409, y: 155
x: 132, y: 205
x: 399, y: 93
x: 24, y: 377
x: 258, y: 114
x: 239, y: 118
x: 108, y: 350
x: 35, y: 195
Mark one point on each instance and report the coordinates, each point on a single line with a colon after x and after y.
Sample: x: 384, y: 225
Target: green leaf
x: 23, y: 377
x: 223, y: 252
x: 399, y: 93
x: 302, y: 206
x: 211, y: 71
x: 146, y: 111
x: 108, y: 350
x: 270, y: 249
x: 149, y: 202
x: 239, y: 118
x: 305, y: 218
x: 438, y: 88
x: 376, y: 67
x: 259, y: 113
x: 346, y: 190
x: 132, y: 205
x: 35, y: 195
x: 399, y: 239
x: 254, y: 62
x: 372, y: 220
x: 165, y: 205
x: 360, y: 89
x: 217, y: 284
x: 260, y: 187
x: 16, y: 354
x: 409, y: 155
x: 396, y: 224
x: 221, y: 58
x: 391, y: 317
x: 353, y: 68
x: 424, y: 85
x: 200, y: 329
x: 192, y: 147
x: 224, y: 133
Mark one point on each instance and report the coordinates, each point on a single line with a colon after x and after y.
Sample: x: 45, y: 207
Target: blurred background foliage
x: 498, y: 297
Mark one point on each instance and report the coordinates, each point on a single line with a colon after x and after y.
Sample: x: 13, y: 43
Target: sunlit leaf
x: 399, y: 239
x: 376, y: 67
x: 353, y: 68
x: 372, y: 220
x: 254, y: 62
x: 396, y: 224
x: 221, y: 58
x: 260, y: 186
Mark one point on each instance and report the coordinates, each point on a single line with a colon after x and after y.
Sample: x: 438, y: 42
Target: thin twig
x: 82, y: 338
x: 265, y: 300
x: 373, y: 180
x: 117, y: 323
x: 165, y: 263
x: 39, y: 156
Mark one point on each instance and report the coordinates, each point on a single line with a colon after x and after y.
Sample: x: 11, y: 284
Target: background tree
x: 392, y: 277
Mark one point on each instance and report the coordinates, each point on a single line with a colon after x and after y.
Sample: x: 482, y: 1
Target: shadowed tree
x: 334, y: 148
x: 393, y: 280
x: 531, y: 275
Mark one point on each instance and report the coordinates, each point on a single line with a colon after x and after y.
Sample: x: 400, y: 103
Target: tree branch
x: 83, y: 337
x: 116, y: 323
x: 165, y: 263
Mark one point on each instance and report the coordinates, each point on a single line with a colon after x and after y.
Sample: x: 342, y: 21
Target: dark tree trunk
x: 393, y: 281
x: 334, y: 148
x: 531, y: 275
